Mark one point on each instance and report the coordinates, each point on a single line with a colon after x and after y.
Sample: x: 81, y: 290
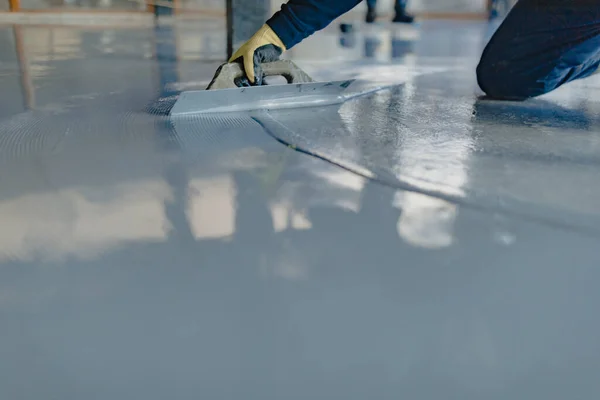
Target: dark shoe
x: 346, y: 28
x: 371, y: 16
x: 404, y: 18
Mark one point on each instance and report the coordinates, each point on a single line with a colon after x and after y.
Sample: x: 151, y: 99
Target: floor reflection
x: 142, y: 257
x: 78, y: 222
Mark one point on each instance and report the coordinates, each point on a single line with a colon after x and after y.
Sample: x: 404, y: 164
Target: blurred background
x: 37, y: 33
x: 217, y: 8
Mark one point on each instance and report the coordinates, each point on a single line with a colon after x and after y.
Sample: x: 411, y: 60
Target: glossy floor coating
x: 416, y: 243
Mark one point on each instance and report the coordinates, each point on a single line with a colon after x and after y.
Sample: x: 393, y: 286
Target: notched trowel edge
x: 260, y: 98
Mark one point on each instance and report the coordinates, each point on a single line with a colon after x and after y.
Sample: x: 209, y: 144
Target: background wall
x: 421, y: 6
x: 204, y: 5
x: 450, y: 6
x: 126, y: 5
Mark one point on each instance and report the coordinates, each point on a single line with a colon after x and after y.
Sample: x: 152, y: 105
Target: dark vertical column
x: 166, y: 58
x: 163, y: 9
x: 229, y: 10
x: 244, y: 17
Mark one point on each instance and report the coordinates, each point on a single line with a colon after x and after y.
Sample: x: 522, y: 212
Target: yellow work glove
x: 263, y: 46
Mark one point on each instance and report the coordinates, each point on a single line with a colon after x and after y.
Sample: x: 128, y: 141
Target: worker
x: 541, y: 44
x: 399, y: 8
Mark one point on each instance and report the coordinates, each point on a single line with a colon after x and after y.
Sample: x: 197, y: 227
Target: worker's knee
x: 501, y: 80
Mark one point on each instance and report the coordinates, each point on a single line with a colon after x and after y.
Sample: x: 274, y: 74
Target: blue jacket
x: 299, y: 19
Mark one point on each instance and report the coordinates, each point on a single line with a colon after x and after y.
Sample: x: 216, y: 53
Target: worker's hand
x: 263, y: 46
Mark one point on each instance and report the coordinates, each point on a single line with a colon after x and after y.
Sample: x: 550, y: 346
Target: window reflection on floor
x: 211, y: 207
x: 70, y: 222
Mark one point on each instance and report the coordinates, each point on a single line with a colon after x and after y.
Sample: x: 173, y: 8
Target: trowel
x: 224, y: 95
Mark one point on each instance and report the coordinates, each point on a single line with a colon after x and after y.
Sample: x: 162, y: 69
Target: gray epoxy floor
x: 146, y: 258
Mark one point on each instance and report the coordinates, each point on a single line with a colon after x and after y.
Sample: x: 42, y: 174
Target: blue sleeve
x: 299, y: 19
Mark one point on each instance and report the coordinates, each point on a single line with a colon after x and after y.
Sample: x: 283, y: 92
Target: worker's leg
x: 400, y: 6
x: 400, y: 12
x: 541, y: 45
x: 371, y: 14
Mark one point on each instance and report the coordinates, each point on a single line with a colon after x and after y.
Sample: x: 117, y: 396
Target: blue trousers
x: 541, y: 45
x: 399, y: 5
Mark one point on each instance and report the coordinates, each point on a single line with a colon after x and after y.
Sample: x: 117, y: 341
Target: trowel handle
x: 228, y: 74
x: 286, y: 68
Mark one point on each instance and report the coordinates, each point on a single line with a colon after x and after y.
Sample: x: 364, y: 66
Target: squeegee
x: 224, y: 95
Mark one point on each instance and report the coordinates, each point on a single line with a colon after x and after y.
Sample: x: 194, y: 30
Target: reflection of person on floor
x: 541, y: 45
x: 399, y: 8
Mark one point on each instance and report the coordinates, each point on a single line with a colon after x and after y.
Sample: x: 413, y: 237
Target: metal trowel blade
x: 261, y: 97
